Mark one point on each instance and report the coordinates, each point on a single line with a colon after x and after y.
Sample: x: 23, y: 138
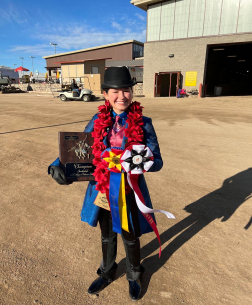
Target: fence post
x: 200, y: 91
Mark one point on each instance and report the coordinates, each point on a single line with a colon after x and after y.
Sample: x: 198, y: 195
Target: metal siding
x: 212, y: 17
x: 154, y: 14
x: 181, y: 19
x: 229, y: 16
x: 196, y: 19
x: 245, y: 20
x: 167, y: 20
x: 128, y: 63
x: 121, y: 52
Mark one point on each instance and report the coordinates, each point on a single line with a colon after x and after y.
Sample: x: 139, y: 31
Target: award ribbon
x: 114, y: 190
x: 116, y: 194
x: 123, y: 205
x: 136, y: 160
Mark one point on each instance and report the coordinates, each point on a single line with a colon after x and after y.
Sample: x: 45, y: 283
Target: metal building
x: 121, y: 51
x: 190, y: 43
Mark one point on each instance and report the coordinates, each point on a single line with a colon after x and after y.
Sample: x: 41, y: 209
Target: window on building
x: 94, y: 70
x: 138, y: 51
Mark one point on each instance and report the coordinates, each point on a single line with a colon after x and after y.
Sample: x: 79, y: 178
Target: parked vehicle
x: 86, y: 95
x: 4, y: 82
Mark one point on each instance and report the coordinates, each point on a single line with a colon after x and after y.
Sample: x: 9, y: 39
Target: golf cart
x: 85, y: 95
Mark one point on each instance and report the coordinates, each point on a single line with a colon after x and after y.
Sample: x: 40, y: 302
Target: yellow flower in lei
x: 114, y: 161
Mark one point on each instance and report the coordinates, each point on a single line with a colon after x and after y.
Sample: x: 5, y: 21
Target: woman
x: 117, y: 126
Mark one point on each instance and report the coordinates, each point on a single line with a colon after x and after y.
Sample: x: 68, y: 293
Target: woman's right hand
x: 58, y: 175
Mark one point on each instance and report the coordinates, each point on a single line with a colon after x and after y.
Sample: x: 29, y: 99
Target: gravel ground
x: 48, y: 256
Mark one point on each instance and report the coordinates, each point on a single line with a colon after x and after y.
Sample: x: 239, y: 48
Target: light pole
x: 54, y: 44
x: 32, y: 65
x: 22, y: 62
x: 14, y: 66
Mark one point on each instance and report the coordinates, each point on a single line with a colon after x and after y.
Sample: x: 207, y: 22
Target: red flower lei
x: 133, y: 132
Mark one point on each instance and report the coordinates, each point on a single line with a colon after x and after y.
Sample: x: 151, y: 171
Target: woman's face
x: 119, y: 99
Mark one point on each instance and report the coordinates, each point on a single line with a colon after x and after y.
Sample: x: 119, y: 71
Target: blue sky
x: 28, y: 27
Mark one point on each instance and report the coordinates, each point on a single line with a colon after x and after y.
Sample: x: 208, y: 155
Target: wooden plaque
x: 75, y: 153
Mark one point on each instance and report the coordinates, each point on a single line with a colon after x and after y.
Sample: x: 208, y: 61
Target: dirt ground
x: 48, y: 256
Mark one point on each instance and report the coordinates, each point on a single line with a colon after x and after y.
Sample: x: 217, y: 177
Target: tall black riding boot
x: 107, y: 270
x: 133, y: 268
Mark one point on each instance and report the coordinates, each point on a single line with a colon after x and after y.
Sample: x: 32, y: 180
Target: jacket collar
x: 121, y: 115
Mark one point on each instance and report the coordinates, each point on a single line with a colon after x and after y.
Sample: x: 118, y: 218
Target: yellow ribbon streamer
x: 114, y: 161
x: 122, y: 205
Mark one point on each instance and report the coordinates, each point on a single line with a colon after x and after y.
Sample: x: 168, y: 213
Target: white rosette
x: 136, y: 160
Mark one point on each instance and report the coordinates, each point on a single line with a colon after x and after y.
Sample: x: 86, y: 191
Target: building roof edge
x: 95, y: 48
x: 143, y: 4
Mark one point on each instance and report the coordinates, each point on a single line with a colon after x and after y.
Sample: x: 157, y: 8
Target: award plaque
x: 75, y: 153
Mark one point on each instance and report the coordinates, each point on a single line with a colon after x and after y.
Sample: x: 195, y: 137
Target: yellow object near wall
x: 25, y: 78
x: 191, y: 79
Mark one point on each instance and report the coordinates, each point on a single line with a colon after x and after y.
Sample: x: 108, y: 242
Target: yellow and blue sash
x: 117, y: 197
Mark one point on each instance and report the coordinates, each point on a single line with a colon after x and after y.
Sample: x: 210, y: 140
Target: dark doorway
x: 173, y: 84
x: 229, y: 69
x: 166, y: 84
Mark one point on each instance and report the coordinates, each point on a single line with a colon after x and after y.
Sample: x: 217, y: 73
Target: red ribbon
x: 148, y: 217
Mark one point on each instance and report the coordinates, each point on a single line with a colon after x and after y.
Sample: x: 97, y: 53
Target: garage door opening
x: 228, y: 70
x: 166, y: 84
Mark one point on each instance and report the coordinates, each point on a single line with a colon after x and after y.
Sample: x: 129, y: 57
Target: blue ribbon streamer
x: 114, y: 188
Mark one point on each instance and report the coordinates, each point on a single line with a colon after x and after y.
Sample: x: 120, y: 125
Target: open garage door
x: 228, y: 70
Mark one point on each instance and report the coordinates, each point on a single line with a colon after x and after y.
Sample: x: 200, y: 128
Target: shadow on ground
x: 49, y: 126
x: 221, y: 203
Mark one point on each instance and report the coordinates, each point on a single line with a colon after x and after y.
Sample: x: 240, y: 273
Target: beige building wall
x: 79, y: 70
x: 95, y: 63
x: 189, y: 55
x: 93, y: 82
x: 84, y: 73
x: 70, y: 71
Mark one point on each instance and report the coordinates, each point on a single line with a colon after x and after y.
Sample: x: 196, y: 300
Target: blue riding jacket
x: 90, y: 211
